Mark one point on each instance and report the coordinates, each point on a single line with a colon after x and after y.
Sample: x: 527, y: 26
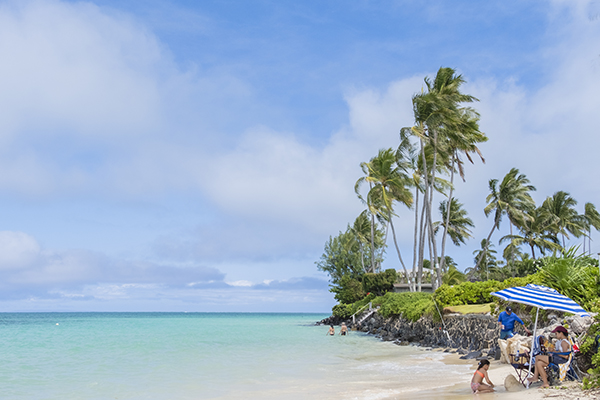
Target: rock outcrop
x: 473, y: 335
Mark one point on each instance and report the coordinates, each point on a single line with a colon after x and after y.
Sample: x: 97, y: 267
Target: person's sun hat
x: 562, y: 329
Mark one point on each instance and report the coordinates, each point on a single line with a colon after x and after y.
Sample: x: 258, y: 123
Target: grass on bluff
x: 470, y: 308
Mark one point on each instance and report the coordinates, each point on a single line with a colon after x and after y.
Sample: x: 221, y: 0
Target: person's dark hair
x: 331, y: 326
x: 482, y: 363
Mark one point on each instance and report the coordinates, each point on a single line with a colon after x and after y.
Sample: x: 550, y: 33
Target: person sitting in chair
x: 562, y: 345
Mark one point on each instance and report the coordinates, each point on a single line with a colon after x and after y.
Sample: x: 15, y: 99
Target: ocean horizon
x: 179, y: 355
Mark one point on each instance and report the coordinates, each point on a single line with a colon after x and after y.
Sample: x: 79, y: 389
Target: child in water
x: 477, y: 384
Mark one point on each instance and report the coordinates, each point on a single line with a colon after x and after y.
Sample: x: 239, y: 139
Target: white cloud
x: 76, y: 69
x: 18, y: 250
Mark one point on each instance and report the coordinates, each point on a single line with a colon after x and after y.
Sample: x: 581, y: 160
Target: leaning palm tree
x: 388, y: 184
x: 438, y: 111
x: 461, y: 139
x: 535, y: 232
x: 592, y: 219
x: 511, y: 198
x: 560, y: 210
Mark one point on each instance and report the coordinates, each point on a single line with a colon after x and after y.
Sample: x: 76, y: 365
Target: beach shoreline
x: 497, y: 373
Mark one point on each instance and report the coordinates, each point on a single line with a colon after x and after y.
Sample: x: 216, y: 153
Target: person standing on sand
x: 331, y: 330
x: 477, y: 384
x: 344, y: 329
x: 507, y: 320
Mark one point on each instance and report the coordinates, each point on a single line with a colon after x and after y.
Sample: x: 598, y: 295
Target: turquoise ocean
x: 206, y: 356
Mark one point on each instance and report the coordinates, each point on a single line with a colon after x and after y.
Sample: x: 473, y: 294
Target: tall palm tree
x: 437, y: 111
x: 511, y: 198
x: 560, y: 210
x: 463, y: 139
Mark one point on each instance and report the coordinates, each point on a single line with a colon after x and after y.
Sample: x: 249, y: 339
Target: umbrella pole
x: 532, y: 345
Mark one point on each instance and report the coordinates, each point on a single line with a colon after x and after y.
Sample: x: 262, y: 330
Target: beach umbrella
x: 541, y: 297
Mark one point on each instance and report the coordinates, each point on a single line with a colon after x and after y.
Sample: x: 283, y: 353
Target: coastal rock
x: 511, y: 384
x: 578, y: 325
x: 465, y: 333
x: 471, y: 355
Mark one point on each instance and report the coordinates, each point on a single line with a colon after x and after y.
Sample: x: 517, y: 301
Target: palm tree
x: 457, y: 224
x: 437, y: 112
x: 592, y: 219
x: 362, y: 229
x: 485, y: 259
x: 453, y: 276
x: 535, y: 232
x: 388, y: 184
x: 463, y: 139
x: 560, y: 211
x: 511, y: 197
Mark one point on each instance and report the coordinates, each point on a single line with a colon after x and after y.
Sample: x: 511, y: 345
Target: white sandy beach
x: 498, y: 373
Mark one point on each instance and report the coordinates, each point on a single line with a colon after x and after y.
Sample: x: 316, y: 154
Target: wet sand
x: 497, y: 373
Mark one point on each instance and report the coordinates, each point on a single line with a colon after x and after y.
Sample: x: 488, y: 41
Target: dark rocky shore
x: 474, y: 335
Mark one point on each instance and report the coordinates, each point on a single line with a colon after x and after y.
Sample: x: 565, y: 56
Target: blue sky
x: 195, y: 156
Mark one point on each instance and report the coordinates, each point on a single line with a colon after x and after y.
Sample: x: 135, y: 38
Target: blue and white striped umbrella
x: 542, y: 297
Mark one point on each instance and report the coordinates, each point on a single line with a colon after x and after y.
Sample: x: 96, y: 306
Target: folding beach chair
x: 520, y: 362
x: 568, y: 370
x: 557, y: 373
x: 521, y: 365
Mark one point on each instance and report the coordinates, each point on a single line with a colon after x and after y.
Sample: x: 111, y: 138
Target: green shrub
x: 343, y: 311
x: 363, y: 302
x: 411, y: 306
x: 478, y: 292
x: 591, y: 354
x: 380, y: 283
x: 348, y: 291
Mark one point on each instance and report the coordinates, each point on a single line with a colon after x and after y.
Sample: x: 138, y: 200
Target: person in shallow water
x: 477, y: 384
x: 331, y: 330
x: 344, y: 329
x: 507, y: 320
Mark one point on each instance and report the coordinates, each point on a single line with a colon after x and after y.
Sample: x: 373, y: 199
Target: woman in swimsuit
x: 477, y: 384
x: 331, y: 330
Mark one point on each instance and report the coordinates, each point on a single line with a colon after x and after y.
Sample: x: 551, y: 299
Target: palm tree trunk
x: 421, y: 247
x: 372, y: 236
x: 414, y: 268
x: 431, y: 264
x: 532, y: 251
x: 446, y: 224
x: 397, y: 248
x: 487, y: 243
x: 512, y: 258
x: 436, y: 265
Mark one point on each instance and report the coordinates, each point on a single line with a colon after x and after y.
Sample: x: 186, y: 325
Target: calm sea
x: 202, y: 356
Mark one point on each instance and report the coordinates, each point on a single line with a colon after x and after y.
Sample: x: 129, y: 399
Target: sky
x: 173, y: 155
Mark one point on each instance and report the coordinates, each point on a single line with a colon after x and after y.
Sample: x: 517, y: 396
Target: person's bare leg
x: 485, y: 388
x: 544, y: 377
x: 536, y: 374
